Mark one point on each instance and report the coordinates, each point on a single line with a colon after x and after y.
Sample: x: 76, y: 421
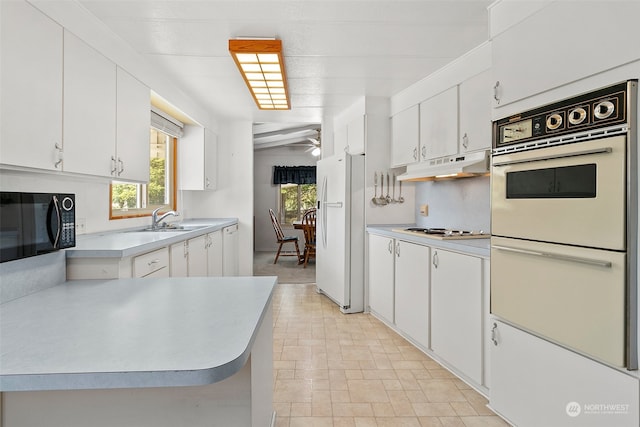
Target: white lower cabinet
x: 179, y: 259
x: 152, y: 264
x: 537, y: 383
x: 412, y: 291
x: 215, y: 254
x: 205, y: 255
x: 456, y: 311
x: 381, y: 276
x: 230, y: 265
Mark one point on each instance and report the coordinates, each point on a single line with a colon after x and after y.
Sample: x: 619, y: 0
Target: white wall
x: 458, y: 203
x: 234, y: 195
x: 266, y: 193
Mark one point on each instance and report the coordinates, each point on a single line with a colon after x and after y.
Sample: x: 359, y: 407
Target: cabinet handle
x: 155, y: 261
x: 398, y: 249
x: 495, y: 92
x: 424, y: 152
x: 493, y: 334
x: 465, y: 141
x: 415, y: 153
x: 114, y: 167
x: 60, y: 155
x: 435, y: 259
x: 121, y: 166
x: 208, y: 183
x: 390, y: 246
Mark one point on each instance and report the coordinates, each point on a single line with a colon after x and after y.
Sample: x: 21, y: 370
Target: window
x: 136, y: 200
x: 295, y: 200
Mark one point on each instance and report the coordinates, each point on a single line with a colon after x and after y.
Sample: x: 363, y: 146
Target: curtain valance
x: 294, y: 174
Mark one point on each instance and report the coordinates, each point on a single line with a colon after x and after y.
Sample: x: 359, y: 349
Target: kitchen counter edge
x: 94, y: 245
x: 474, y: 247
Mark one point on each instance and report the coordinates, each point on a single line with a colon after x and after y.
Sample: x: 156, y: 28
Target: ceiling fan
x: 314, y: 146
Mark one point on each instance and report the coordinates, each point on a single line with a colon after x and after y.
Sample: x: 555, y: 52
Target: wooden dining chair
x: 309, y: 229
x: 282, y: 239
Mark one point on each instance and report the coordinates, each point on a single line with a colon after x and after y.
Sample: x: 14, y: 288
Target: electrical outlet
x: 424, y: 210
x: 81, y: 225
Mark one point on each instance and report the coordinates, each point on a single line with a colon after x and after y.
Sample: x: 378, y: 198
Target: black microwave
x: 35, y: 223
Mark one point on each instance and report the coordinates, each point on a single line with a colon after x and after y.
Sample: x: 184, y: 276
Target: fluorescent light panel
x: 262, y: 66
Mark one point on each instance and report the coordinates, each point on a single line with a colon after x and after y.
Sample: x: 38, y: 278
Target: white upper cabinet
x: 198, y: 159
x: 475, y: 113
x: 405, y: 136
x: 31, y: 76
x: 579, y: 39
x: 89, y: 110
x: 132, y: 128
x: 439, y: 125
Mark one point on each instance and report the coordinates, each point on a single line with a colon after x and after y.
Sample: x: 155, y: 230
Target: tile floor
x: 332, y: 369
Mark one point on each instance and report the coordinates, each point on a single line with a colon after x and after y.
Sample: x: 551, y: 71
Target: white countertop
x: 475, y: 247
x: 90, y: 334
x: 125, y: 243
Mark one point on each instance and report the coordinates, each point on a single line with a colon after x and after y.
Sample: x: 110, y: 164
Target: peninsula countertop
x: 124, y: 333
x: 125, y: 243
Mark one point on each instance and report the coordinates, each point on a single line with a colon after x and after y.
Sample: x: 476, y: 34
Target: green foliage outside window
x: 296, y: 200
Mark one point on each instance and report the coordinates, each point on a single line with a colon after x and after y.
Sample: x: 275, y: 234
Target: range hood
x: 448, y: 167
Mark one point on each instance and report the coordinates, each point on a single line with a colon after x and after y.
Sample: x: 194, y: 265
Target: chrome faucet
x: 155, y: 221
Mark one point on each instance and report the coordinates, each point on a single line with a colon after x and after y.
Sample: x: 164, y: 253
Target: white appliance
x: 340, y: 230
x: 564, y: 220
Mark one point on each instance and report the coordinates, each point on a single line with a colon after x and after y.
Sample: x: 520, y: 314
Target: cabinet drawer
x: 144, y: 265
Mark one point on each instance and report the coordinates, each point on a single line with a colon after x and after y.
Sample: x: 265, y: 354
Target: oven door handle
x: 603, y: 150
x: 596, y: 262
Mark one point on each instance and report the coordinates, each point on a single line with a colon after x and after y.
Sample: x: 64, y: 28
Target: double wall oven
x: 564, y: 223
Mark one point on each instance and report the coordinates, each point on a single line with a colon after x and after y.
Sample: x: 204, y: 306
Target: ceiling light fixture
x: 261, y: 64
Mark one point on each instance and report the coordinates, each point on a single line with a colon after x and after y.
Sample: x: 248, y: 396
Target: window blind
x: 165, y: 123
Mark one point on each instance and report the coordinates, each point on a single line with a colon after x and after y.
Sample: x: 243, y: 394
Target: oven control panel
x: 600, y: 108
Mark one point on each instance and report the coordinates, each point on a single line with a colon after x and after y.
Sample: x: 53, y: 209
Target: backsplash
x: 457, y: 203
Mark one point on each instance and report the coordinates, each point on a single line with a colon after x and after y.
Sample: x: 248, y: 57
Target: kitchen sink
x: 179, y: 227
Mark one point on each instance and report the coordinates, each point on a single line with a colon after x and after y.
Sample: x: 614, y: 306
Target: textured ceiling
x: 335, y: 51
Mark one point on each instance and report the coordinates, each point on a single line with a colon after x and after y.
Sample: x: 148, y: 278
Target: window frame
x: 280, y: 201
x: 145, y: 212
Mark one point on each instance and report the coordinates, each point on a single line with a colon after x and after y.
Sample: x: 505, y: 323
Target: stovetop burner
x: 443, y: 231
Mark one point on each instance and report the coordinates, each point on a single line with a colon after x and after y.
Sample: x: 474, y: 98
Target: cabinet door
x: 381, y: 276
x: 356, y: 135
x: 230, y: 265
x: 564, y: 52
x: 456, y: 311
x: 89, y: 109
x: 214, y: 254
x: 475, y: 113
x: 439, y: 125
x: 568, y: 389
x: 179, y: 259
x: 198, y: 257
x: 31, y: 87
x: 405, y: 136
x: 210, y: 160
x: 412, y: 291
x: 132, y: 128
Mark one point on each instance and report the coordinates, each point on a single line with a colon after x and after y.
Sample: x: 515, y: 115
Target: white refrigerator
x: 340, y: 230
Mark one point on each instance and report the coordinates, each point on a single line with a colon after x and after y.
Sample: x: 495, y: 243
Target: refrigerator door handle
x: 333, y: 204
x: 322, y: 213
